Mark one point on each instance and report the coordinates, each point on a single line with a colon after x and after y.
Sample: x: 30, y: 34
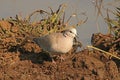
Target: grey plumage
x: 60, y: 42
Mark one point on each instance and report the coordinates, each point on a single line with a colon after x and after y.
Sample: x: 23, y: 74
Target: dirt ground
x: 21, y: 60
x: 26, y: 64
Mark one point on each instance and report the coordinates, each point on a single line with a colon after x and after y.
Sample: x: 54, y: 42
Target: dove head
x: 72, y: 32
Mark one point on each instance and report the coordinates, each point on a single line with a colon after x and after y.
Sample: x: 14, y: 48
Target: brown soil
x: 26, y: 64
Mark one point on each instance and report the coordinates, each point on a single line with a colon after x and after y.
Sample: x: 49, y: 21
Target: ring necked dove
x: 60, y: 42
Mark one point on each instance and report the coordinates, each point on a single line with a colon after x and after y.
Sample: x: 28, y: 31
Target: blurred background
x: 83, y: 9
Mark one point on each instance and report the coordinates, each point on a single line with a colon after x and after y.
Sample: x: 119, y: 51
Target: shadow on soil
x: 34, y: 57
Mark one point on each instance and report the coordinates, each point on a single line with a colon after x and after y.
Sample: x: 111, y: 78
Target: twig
x: 37, y: 11
x: 104, y: 51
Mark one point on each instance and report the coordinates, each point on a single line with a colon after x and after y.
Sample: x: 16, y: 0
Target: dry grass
x: 13, y: 31
x: 113, y: 28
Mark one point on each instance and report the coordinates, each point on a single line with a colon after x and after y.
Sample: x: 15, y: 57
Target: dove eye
x: 71, y: 32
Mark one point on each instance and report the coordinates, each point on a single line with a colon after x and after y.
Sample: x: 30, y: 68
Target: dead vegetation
x: 14, y: 31
x: 110, y: 42
x: 21, y: 59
